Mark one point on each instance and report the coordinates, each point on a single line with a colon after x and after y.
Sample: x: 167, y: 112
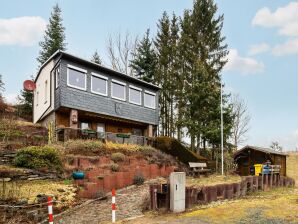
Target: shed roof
x: 261, y: 149
x: 90, y: 63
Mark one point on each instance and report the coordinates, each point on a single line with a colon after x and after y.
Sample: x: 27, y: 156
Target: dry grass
x: 292, y: 166
x: 212, y: 180
x: 29, y: 190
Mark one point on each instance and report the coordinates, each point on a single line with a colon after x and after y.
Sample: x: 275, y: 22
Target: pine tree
x: 25, y: 103
x: 162, y: 43
x: 144, y: 59
x: 1, y: 86
x: 54, y: 38
x: 96, y: 58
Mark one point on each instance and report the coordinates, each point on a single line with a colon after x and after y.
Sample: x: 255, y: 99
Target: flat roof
x: 108, y: 70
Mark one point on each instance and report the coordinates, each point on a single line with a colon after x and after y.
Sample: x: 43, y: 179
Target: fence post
x: 50, y: 209
x: 113, y: 205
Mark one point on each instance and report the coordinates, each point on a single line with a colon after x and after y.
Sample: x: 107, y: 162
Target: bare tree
x: 241, y: 120
x: 120, y: 52
x: 276, y: 146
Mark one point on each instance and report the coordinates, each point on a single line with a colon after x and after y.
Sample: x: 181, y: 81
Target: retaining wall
x: 207, y: 194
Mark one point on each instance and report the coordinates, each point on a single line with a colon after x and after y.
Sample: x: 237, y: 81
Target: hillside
x: 292, y: 166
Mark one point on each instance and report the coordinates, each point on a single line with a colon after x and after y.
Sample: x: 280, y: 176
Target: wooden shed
x: 248, y: 156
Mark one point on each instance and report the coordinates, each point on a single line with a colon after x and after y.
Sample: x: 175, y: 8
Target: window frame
x: 119, y: 83
x: 101, y: 77
x: 46, y: 92
x: 129, y: 94
x: 78, y: 70
x: 152, y: 94
x: 57, y: 77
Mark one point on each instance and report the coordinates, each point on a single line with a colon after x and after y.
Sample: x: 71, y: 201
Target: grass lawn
x: 28, y: 190
x: 277, y: 206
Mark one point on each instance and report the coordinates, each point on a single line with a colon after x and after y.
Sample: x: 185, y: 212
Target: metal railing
x: 65, y: 134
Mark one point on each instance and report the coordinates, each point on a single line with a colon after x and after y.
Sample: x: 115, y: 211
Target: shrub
x: 175, y: 148
x: 138, y: 179
x: 83, y: 147
x: 36, y: 157
x: 114, y: 167
x: 111, y: 146
x: 117, y: 157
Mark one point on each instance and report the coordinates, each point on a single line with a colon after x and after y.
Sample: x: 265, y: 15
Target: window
x: 118, y: 90
x: 76, y: 77
x: 84, y: 125
x: 149, y: 99
x: 57, y: 74
x: 37, y: 96
x: 135, y: 95
x: 46, y: 91
x: 99, y: 84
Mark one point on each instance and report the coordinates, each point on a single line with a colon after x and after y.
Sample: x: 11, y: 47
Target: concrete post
x: 177, y: 191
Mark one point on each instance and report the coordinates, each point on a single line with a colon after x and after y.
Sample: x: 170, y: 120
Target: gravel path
x: 128, y: 201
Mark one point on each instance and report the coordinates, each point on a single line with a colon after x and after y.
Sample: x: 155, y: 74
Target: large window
x: 76, y: 77
x: 99, y: 84
x: 57, y: 76
x: 135, y: 95
x: 149, y: 99
x: 118, y: 90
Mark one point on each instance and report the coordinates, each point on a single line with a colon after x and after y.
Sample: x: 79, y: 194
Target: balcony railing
x: 65, y: 134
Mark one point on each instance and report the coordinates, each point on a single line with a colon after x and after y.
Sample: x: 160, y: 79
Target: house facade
x: 75, y: 93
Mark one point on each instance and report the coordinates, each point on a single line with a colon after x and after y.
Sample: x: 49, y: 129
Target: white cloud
x: 258, y: 48
x: 11, y: 98
x: 23, y: 31
x: 287, y: 48
x: 244, y: 65
x: 284, y: 18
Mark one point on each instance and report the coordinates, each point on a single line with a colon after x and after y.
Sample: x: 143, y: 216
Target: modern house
x: 248, y: 156
x: 78, y: 94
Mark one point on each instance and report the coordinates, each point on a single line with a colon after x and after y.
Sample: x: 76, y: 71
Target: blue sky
x: 262, y: 36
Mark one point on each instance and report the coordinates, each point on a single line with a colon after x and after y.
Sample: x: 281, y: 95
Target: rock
x: 22, y: 202
x: 60, y: 190
x: 7, y: 179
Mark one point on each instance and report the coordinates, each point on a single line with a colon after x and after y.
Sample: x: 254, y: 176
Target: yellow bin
x: 258, y: 169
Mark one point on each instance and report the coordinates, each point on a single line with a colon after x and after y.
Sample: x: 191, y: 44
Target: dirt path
x: 129, y: 204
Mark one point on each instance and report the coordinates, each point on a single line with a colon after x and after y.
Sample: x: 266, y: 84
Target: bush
x: 117, y: 157
x: 36, y: 157
x: 114, y: 167
x: 83, y: 147
x: 138, y: 179
x: 175, y: 148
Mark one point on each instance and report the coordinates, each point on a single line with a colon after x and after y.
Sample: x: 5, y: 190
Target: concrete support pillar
x: 150, y: 131
x: 73, y: 119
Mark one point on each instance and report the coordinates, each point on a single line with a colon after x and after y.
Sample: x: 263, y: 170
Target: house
x: 246, y: 157
x: 78, y: 94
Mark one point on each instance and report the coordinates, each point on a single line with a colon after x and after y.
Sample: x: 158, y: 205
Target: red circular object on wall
x: 29, y: 85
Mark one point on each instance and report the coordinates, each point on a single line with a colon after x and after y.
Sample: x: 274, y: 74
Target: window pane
x: 135, y: 96
x: 118, y: 91
x: 99, y: 85
x: 57, y: 77
x: 149, y: 100
x: 84, y: 125
x: 76, y: 78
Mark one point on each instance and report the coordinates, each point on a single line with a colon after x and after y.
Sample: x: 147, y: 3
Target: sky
x: 262, y: 37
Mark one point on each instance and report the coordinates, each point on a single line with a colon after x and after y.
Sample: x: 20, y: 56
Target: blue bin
x: 78, y: 175
x: 266, y: 169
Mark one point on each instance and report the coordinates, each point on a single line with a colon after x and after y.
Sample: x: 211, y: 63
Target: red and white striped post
x: 113, y: 205
x: 50, y: 209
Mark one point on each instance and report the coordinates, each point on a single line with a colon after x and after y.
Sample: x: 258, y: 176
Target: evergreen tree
x: 54, y: 38
x: 144, y: 59
x: 96, y: 58
x: 1, y: 86
x: 25, y: 103
x: 162, y: 44
x: 2, y: 103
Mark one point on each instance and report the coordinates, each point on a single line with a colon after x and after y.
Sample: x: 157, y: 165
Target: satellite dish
x: 29, y: 85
